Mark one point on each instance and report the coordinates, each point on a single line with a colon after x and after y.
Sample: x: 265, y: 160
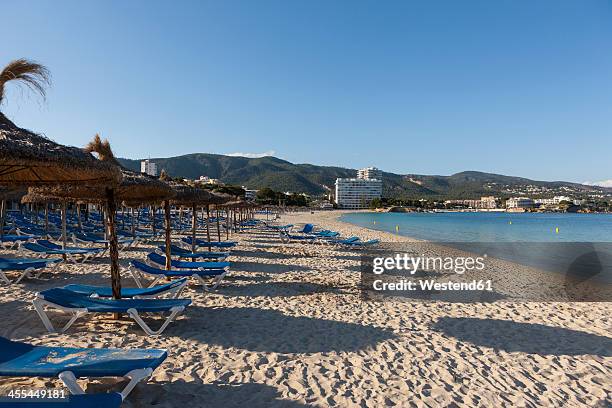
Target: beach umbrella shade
x: 30, y: 159
x: 193, y: 197
x: 134, y: 187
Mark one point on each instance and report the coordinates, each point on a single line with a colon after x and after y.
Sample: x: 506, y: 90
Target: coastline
x: 289, y: 328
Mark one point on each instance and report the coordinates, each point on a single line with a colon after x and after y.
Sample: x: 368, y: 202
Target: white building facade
x: 520, y: 202
x: 369, y: 173
x: 353, y: 193
x: 148, y: 167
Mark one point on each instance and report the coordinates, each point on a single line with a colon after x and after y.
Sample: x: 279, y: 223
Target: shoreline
x: 288, y: 327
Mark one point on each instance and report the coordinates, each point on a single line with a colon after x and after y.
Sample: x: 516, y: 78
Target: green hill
x: 282, y: 175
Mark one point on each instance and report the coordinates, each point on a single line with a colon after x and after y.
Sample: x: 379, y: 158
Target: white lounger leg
x: 215, y: 283
x: 136, y: 276
x: 4, y: 279
x: 70, y: 382
x: 24, y: 274
x: 147, y: 329
x: 39, y: 306
x: 135, y: 377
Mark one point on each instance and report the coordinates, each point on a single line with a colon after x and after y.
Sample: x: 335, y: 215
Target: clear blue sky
x: 435, y: 87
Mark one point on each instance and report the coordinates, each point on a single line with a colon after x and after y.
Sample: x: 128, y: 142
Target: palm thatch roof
x: 40, y: 197
x: 30, y: 159
x: 135, y: 188
x: 191, y: 196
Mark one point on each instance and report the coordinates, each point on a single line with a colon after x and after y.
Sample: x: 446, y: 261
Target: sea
x: 580, y: 244
x: 490, y: 226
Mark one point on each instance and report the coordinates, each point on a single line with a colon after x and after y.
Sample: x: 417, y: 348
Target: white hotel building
x: 148, y: 167
x: 353, y: 193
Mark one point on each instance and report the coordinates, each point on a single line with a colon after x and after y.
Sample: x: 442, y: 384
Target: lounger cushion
x: 25, y: 360
x: 66, y: 298
x: 106, y: 291
x: 173, y: 273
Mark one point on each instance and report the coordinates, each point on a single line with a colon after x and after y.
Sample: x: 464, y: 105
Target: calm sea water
x: 490, y: 227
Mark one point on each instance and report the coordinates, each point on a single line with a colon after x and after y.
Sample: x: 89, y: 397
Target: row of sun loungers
x: 309, y: 235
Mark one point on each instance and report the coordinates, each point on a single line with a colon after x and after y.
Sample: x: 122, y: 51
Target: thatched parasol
x: 30, y: 159
x: 27, y: 158
x: 191, y: 197
x: 134, y: 188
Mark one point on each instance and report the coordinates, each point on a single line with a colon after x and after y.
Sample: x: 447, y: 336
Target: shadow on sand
x: 279, y: 289
x: 198, y: 394
x: 272, y: 331
x: 530, y: 338
x: 267, y: 255
x: 246, y: 266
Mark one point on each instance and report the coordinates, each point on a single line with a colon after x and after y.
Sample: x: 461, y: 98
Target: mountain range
x: 281, y: 175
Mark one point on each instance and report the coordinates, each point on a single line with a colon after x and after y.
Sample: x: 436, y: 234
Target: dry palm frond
x: 163, y: 176
x: 102, y: 149
x: 35, y: 76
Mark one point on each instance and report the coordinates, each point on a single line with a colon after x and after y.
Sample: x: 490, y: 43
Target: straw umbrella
x: 135, y: 189
x: 29, y: 159
x: 191, y: 197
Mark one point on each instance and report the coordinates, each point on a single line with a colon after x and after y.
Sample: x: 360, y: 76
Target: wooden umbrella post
x: 168, y: 241
x: 111, y: 208
x: 218, y: 225
x: 227, y: 223
x: 63, y: 224
x: 193, y: 228
x: 208, y: 225
x: 47, y: 218
x: 78, y: 212
x: 2, y: 217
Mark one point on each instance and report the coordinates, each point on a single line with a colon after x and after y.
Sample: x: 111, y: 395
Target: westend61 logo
x: 412, y: 264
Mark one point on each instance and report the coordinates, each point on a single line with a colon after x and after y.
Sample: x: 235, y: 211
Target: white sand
x: 289, y: 329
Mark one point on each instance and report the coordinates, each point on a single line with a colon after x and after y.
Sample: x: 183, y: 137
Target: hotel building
x: 369, y: 173
x: 520, y: 202
x: 148, y: 167
x: 353, y: 193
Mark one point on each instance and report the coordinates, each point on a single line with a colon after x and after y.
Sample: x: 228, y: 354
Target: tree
x: 376, y: 203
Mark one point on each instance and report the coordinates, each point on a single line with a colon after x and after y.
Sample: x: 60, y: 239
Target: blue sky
x: 433, y: 87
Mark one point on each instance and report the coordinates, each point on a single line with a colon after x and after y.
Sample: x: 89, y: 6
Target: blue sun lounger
x: 279, y: 227
x: 70, y: 253
x: 161, y: 260
x: 139, y: 269
x: 10, y: 240
x: 359, y: 244
x: 78, y: 305
x: 27, y: 267
x: 174, y: 288
x: 25, y: 360
x: 184, y: 253
x: 104, y: 400
x: 216, y: 244
x: 89, y: 238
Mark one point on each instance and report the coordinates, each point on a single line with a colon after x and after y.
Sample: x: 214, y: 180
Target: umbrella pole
x: 111, y: 208
x: 168, y: 242
x: 47, y: 218
x: 208, y: 225
x: 193, y: 228
x: 133, y: 223
x: 227, y: 223
x: 2, y: 217
x: 218, y: 226
x: 78, y: 211
x: 153, y: 222
x: 63, y: 225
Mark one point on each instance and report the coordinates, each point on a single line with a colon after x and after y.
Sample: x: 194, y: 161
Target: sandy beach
x: 288, y: 328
